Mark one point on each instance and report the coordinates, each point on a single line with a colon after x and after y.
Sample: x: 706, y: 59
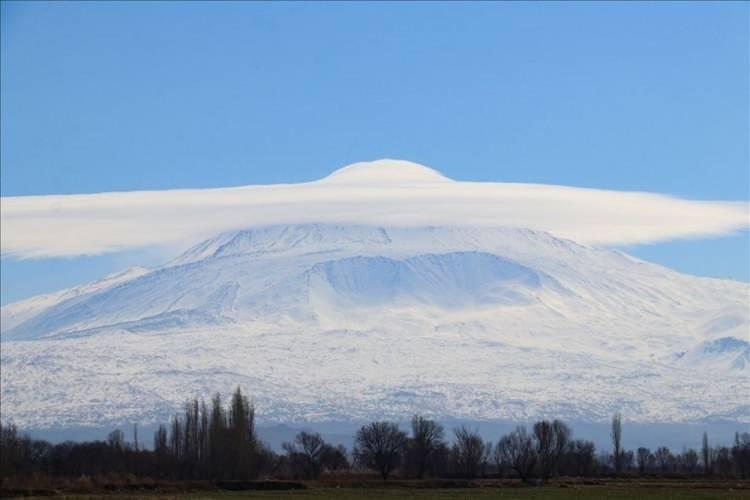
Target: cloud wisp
x: 385, y: 192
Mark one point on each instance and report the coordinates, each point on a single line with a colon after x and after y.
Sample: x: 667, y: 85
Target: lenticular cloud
x: 387, y: 192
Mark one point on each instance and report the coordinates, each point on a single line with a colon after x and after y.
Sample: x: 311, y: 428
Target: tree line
x: 218, y: 441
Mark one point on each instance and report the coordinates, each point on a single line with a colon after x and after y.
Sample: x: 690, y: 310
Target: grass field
x: 368, y: 489
x: 587, y: 493
x: 552, y: 493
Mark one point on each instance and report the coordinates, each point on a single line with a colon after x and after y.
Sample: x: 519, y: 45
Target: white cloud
x: 385, y: 192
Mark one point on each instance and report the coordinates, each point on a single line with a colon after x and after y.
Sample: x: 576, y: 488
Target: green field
x: 505, y: 493
x: 553, y: 493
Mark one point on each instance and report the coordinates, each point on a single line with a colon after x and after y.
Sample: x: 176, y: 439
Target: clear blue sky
x: 134, y: 95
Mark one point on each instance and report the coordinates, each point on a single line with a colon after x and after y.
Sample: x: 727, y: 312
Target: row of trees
x: 217, y: 442
x: 214, y: 442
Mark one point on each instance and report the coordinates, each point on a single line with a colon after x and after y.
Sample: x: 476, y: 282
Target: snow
x: 385, y: 172
x: 18, y: 312
x: 331, y: 322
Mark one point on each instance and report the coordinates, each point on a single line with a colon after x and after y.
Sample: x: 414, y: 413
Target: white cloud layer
x: 385, y: 192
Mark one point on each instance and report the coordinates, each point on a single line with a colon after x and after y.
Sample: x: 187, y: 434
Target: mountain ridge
x: 341, y: 320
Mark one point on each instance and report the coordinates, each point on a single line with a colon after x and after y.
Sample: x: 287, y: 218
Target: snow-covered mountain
x: 326, y: 322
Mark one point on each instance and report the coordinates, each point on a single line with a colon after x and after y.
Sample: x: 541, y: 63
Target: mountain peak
x: 386, y: 171
x: 434, y: 311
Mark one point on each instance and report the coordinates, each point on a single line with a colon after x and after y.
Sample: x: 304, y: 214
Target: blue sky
x: 123, y: 96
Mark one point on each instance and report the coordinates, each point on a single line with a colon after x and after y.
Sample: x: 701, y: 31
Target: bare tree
x: 741, y: 454
x: 627, y: 460
x: 135, y: 437
x: 190, y: 442
x: 690, y: 461
x: 306, y: 454
x: 706, y: 455
x: 663, y: 458
x: 217, y: 437
x: 116, y: 439
x: 243, y: 440
x: 427, y: 437
x: 161, y: 448
x: 579, y: 458
x: 378, y: 446
x: 334, y: 458
x: 517, y: 450
x: 175, y: 437
x: 203, y: 433
x: 489, y: 450
x: 499, y: 459
x: 616, y: 434
x: 643, y: 456
x: 551, y: 440
x: 722, y: 461
x: 468, y: 451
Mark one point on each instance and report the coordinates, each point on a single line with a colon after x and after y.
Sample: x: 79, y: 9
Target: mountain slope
x: 326, y: 322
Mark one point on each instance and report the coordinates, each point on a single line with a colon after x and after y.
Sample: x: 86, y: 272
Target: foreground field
x: 551, y: 493
x: 614, y: 491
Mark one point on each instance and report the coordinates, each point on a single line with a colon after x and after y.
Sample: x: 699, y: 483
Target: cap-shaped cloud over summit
x: 388, y: 192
